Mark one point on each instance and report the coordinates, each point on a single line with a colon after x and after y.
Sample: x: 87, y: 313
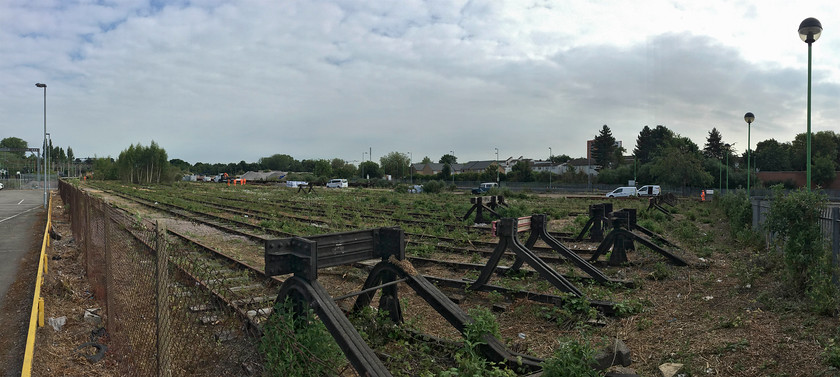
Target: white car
x: 1, y: 186
x: 622, y: 192
x: 337, y: 183
x: 649, y: 190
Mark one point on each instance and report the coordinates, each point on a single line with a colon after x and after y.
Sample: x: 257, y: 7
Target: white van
x: 649, y: 190
x: 337, y: 183
x: 622, y: 192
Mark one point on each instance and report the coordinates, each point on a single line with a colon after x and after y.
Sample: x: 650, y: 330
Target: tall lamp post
x: 749, y: 117
x: 48, y: 147
x: 362, y: 164
x: 497, y: 166
x: 809, y: 31
x: 728, y: 152
x: 550, y: 154
x: 451, y: 168
x: 39, y: 85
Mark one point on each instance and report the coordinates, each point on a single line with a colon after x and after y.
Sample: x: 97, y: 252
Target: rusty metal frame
x: 304, y: 256
x: 622, y: 237
x: 506, y: 230
x: 479, y: 207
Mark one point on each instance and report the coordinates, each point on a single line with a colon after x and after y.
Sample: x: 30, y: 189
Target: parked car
x: 484, y: 187
x: 622, y: 192
x: 1, y: 186
x: 337, y: 183
x: 649, y: 190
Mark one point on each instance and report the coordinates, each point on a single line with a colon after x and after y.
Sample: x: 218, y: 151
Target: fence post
x: 755, y: 205
x: 162, y: 300
x: 835, y: 242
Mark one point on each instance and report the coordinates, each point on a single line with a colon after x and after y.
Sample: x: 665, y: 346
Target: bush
x: 298, y: 345
x: 571, y: 359
x: 794, y: 218
x: 433, y: 187
x: 737, y: 208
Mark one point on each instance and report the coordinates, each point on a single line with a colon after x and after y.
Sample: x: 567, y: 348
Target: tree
x: 426, y: 160
x: 396, y: 164
x: 14, y: 142
x: 679, y: 164
x: 823, y: 143
x: 560, y: 159
x: 604, y: 148
x: 714, y: 145
x: 446, y: 172
x: 448, y: 159
x: 823, y: 171
x: 176, y: 162
x: 140, y: 164
x: 770, y: 155
x: 281, y: 162
x: 370, y: 169
x: 521, y: 172
x: 490, y: 173
x: 323, y: 168
x: 645, y: 145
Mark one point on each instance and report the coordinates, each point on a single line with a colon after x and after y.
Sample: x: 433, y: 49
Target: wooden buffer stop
x: 625, y: 232
x: 479, y: 206
x: 304, y: 256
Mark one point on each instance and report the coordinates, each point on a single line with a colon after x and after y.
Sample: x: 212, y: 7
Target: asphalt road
x: 19, y: 210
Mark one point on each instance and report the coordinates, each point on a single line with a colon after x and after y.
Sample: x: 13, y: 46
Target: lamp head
x: 41, y: 85
x: 749, y: 117
x: 810, y: 30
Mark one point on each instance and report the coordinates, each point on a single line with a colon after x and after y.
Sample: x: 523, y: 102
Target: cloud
x: 225, y: 82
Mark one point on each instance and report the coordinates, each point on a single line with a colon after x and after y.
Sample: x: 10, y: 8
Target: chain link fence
x: 161, y: 314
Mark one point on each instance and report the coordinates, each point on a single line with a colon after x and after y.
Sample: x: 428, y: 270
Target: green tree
x: 521, y: 172
x: 446, y: 171
x: 714, y: 145
x: 370, y: 169
x: 678, y: 165
x: 396, y: 164
x: 139, y: 164
x: 323, y: 168
x: 823, y: 172
x: 604, y: 148
x: 823, y: 143
x: 559, y: 159
x: 490, y: 173
x: 645, y: 145
x: 426, y: 160
x: 178, y: 163
x: 282, y: 162
x: 14, y: 142
x: 770, y: 155
x: 448, y: 159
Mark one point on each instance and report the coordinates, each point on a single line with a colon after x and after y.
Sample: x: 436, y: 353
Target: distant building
x: 581, y: 165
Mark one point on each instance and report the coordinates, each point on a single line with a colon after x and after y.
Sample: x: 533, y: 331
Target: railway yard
x: 675, y: 288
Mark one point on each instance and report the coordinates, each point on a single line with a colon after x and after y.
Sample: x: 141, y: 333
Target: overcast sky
x: 217, y: 81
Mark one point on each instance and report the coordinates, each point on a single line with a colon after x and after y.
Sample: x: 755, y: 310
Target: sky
x: 219, y: 81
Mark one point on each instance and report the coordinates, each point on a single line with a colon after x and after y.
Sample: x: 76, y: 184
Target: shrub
x: 571, y: 359
x: 433, y: 187
x: 737, y: 208
x: 794, y: 218
x: 296, y: 345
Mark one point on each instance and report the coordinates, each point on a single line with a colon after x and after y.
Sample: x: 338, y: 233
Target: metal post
x: 497, y: 166
x: 162, y: 304
x: 549, y: 168
x: 835, y: 242
x: 39, y: 85
x: 727, y: 169
x: 808, y: 148
x: 748, y: 159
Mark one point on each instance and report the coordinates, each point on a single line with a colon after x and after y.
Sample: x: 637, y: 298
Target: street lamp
x: 497, y: 166
x: 451, y: 167
x: 48, y: 154
x: 410, y: 172
x: 728, y: 152
x: 363, y: 164
x: 809, y: 31
x: 749, y: 117
x: 549, y: 167
x: 39, y: 85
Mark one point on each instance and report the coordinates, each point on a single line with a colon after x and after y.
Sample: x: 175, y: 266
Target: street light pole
x: 728, y: 152
x: 549, y: 167
x: 749, y: 117
x: 451, y: 168
x: 809, y: 31
x: 410, y: 172
x: 39, y: 85
x: 49, y: 163
x: 363, y: 164
x: 497, y: 166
